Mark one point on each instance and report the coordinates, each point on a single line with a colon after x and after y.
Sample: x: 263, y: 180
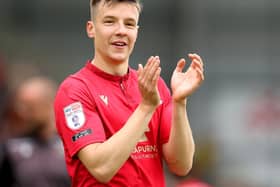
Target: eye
x: 108, y: 22
x: 130, y: 24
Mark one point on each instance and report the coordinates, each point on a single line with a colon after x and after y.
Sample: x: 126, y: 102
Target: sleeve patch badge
x: 81, y: 134
x: 74, y: 115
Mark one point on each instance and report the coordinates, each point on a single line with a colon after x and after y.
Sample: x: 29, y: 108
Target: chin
x: 119, y: 59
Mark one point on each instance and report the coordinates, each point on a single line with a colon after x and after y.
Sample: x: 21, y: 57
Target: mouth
x: 119, y: 43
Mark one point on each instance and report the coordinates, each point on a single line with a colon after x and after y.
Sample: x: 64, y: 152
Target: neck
x: 47, y: 133
x: 44, y: 132
x: 111, y: 66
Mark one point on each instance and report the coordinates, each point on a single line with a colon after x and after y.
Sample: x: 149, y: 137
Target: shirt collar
x: 106, y: 75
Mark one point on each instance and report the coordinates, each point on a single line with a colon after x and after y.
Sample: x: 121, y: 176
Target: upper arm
x: 77, y: 120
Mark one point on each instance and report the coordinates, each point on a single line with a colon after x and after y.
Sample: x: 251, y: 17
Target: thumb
x: 180, y: 65
x: 140, y: 69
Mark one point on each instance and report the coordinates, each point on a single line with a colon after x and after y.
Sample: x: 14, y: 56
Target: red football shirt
x: 91, y: 106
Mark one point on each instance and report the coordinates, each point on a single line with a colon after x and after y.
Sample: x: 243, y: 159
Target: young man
x: 118, y: 124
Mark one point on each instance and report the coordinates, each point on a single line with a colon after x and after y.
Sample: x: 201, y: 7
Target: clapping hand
x: 183, y: 84
x: 148, y: 77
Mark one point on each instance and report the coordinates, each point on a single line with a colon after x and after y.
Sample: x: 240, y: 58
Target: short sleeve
x: 77, y: 119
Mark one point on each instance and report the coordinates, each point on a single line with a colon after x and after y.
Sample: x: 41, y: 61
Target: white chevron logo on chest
x: 104, y: 98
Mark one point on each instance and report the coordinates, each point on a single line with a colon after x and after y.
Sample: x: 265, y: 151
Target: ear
x: 137, y: 30
x: 90, y: 29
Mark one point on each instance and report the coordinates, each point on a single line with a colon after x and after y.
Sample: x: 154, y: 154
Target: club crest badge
x: 74, y: 115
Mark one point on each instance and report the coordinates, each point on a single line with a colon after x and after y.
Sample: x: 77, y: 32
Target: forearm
x: 108, y: 157
x: 180, y: 148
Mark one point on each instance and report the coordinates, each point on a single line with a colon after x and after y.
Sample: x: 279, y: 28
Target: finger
x: 154, y: 64
x: 200, y: 73
x: 140, y: 75
x: 193, y: 56
x: 156, y: 76
x: 140, y: 70
x: 147, y: 65
x: 152, y: 74
x: 150, y: 68
x: 197, y: 63
x: 180, y: 65
x: 155, y: 68
x: 149, y: 61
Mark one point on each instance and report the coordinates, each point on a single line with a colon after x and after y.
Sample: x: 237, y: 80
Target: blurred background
x: 235, y: 115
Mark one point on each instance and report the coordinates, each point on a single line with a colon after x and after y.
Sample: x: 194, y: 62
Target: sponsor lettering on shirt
x: 145, y: 152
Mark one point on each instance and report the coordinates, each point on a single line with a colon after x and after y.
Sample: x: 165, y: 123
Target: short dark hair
x: 94, y: 3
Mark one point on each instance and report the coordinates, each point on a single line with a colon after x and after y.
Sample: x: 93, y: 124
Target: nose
x: 121, y: 29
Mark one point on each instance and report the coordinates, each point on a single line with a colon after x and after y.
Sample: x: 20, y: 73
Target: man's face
x: 31, y: 106
x: 115, y: 31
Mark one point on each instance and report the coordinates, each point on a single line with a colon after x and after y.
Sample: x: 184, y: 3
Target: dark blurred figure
x: 3, y: 95
x: 4, y: 165
x: 35, y: 159
x: 3, y: 85
x: 10, y: 123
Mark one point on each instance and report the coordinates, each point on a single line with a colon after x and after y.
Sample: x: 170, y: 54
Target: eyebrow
x: 109, y: 17
x: 113, y: 17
